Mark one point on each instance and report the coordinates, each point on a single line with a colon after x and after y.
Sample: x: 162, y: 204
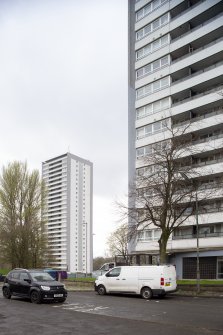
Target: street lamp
x: 197, y: 232
x: 197, y: 237
x: 85, y: 223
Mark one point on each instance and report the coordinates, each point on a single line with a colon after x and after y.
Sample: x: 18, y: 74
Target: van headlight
x: 45, y: 288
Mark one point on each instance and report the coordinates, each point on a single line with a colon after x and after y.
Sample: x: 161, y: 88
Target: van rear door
x: 169, y: 276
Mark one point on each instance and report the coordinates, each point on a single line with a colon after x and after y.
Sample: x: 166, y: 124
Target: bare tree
x: 161, y: 197
x: 22, y: 237
x: 118, y: 241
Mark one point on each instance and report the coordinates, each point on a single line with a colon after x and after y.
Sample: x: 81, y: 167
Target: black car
x: 37, y: 285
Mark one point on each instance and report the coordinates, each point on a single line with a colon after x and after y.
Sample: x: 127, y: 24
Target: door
x: 112, y: 280
x: 129, y: 279
x: 13, y: 281
x: 220, y: 268
x: 24, y: 283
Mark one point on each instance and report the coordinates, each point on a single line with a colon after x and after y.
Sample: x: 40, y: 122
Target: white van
x: 144, y: 280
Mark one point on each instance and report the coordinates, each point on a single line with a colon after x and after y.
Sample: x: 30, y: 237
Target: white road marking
x: 84, y: 308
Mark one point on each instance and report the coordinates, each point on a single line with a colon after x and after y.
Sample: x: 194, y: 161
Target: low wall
x: 75, y: 284
x: 203, y: 288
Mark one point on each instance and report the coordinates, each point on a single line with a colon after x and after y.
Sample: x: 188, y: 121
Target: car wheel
x: 146, y: 293
x: 101, y: 290
x: 35, y: 297
x: 6, y: 293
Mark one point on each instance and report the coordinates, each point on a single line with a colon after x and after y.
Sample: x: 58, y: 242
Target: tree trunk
x: 162, y: 248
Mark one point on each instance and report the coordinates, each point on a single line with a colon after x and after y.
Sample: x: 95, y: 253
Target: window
x: 152, y: 128
x: 152, y: 26
x: 14, y: 275
x: 153, y: 108
x: 155, y: 24
x: 157, y: 233
x: 148, y: 129
x: 164, y: 19
x: 158, y: 64
x: 24, y: 275
x: 153, y: 87
x: 114, y: 272
x: 156, y: 126
x: 148, y: 149
x: 151, y: 47
x: 149, y: 235
x: 156, y: 85
x: 148, y: 8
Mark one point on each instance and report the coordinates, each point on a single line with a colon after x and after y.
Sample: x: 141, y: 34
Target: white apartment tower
x: 69, y: 181
x: 176, y: 74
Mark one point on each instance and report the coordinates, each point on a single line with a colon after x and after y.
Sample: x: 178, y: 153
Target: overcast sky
x: 63, y: 87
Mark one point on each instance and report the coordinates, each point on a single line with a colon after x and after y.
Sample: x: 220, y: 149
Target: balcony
x: 201, y: 235
x: 185, y: 123
x: 215, y: 89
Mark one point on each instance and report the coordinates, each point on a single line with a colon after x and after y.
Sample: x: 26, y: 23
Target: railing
x: 213, y: 112
x: 188, y: 10
x: 197, y: 73
x: 194, y: 236
x: 204, y: 210
x: 203, y: 140
x: 197, y: 50
x: 215, y: 89
x: 196, y: 28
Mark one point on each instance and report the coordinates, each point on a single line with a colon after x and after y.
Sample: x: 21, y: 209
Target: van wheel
x: 101, y: 290
x: 6, y: 293
x: 35, y: 297
x: 146, y: 293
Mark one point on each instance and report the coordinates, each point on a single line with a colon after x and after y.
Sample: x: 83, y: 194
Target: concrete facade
x: 176, y: 74
x: 69, y: 181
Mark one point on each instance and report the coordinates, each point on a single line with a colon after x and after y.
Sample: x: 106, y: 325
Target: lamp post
x: 85, y: 223
x: 197, y: 232
x: 197, y: 236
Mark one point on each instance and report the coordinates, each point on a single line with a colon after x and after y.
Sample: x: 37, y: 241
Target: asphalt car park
x: 89, y: 313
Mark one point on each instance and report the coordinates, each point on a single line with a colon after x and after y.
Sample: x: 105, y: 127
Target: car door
x: 24, y: 281
x: 112, y: 280
x: 13, y: 281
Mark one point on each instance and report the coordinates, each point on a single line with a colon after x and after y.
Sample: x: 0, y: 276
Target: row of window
x: 55, y: 163
x: 149, y: 28
x: 140, y: 14
x: 151, y: 148
x: 149, y: 235
x: 153, y: 108
x: 152, y: 67
x: 151, y: 129
x: 153, y: 87
x: 153, y: 46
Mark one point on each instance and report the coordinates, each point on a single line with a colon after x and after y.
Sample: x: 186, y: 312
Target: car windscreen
x: 41, y: 276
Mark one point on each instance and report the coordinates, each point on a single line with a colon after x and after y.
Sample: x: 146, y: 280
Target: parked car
x: 37, y: 285
x: 103, y: 269
x: 144, y: 280
x: 2, y: 277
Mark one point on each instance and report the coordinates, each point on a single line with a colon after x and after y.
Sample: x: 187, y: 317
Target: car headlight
x: 45, y: 288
